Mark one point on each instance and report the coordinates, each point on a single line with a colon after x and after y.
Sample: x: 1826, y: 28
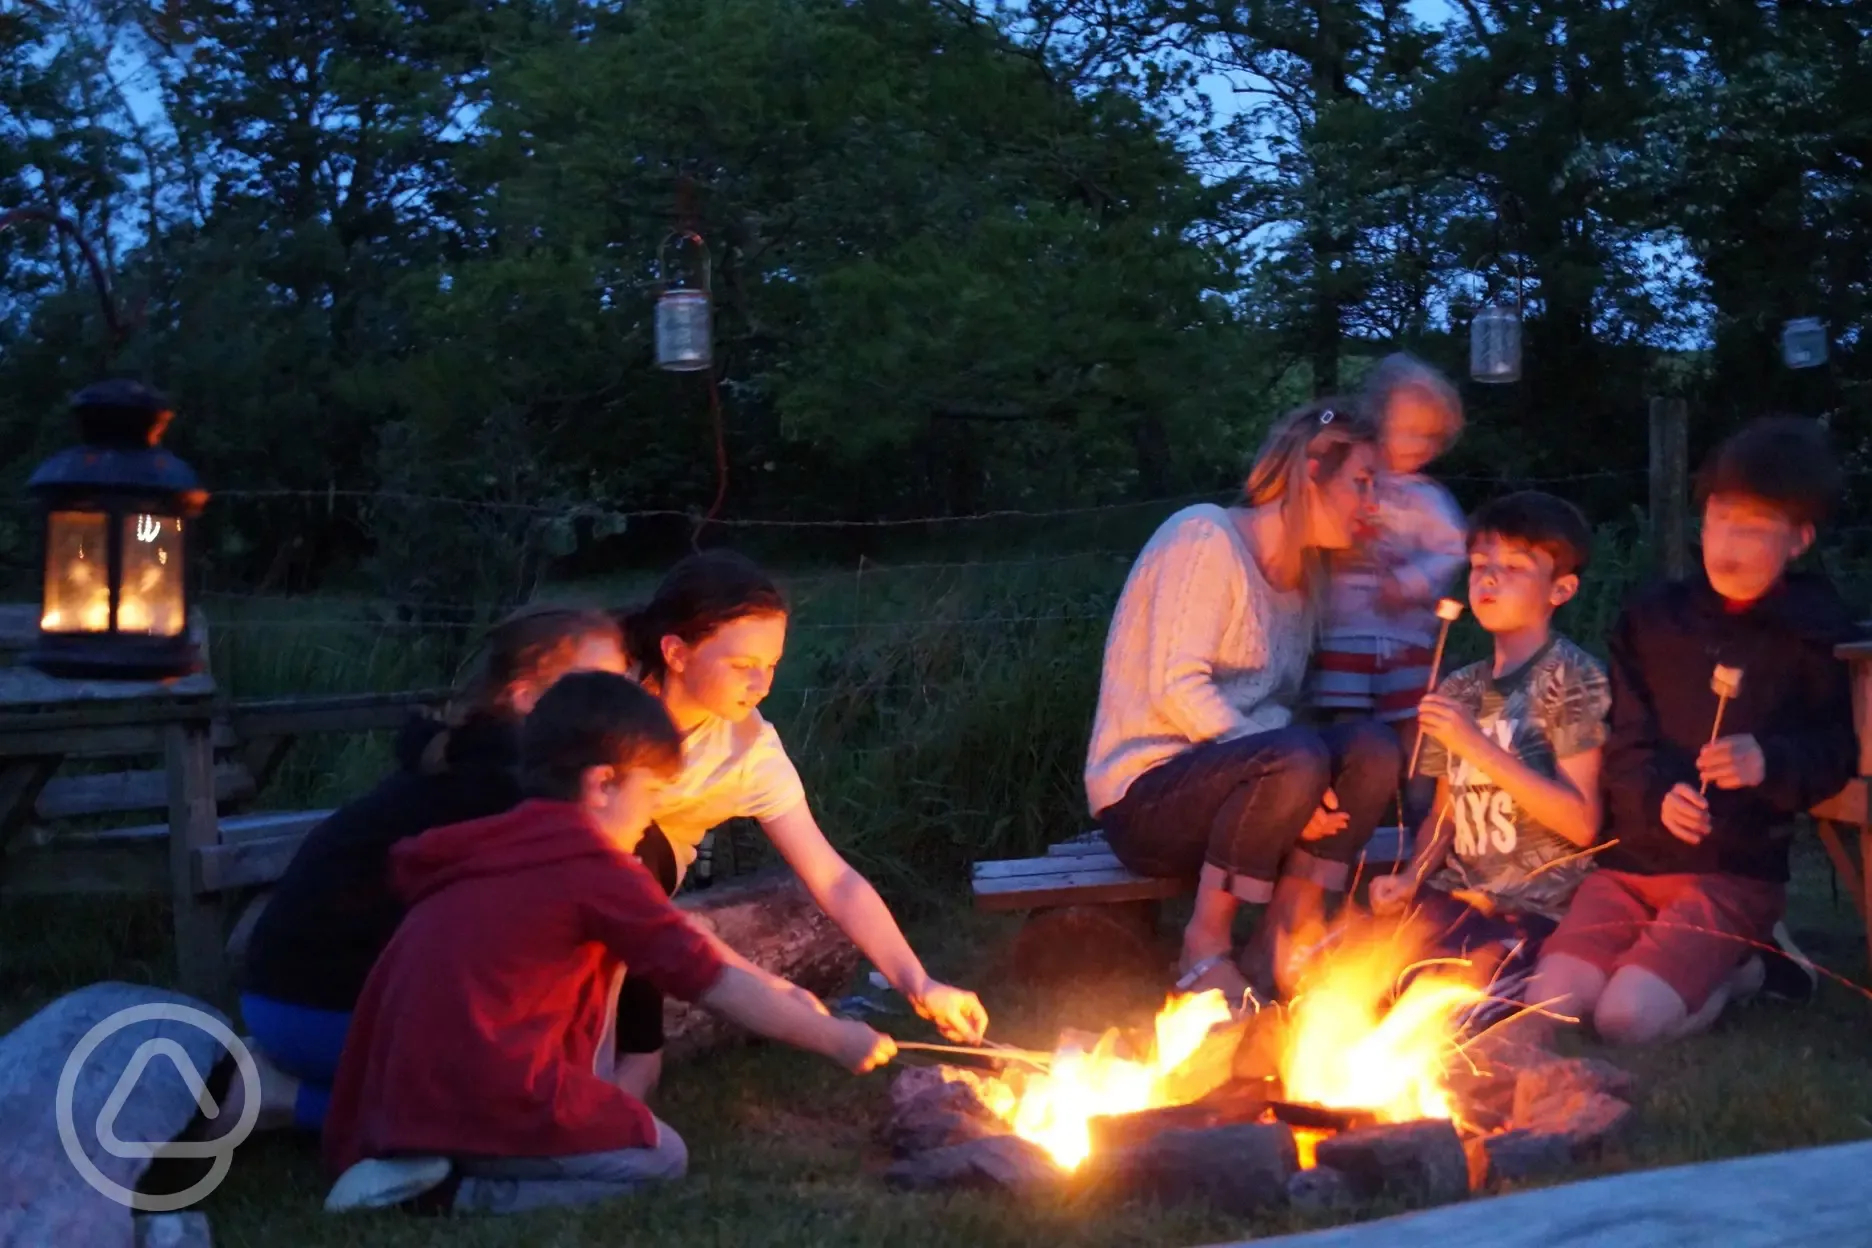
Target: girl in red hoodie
x: 518, y: 935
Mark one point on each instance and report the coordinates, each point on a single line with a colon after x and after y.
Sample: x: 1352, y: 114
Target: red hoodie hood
x: 536, y: 833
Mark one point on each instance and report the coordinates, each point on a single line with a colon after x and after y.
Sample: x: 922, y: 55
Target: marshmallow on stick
x: 1725, y: 683
x: 1448, y: 610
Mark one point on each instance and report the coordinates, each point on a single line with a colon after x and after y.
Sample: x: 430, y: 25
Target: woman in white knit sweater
x: 1196, y: 768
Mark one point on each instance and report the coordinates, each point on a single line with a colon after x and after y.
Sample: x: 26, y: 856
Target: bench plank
x: 1011, y: 868
x: 125, y: 792
x: 1074, y: 886
x: 245, y: 864
x: 254, y: 849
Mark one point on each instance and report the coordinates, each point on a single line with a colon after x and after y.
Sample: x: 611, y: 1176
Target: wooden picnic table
x: 47, y: 722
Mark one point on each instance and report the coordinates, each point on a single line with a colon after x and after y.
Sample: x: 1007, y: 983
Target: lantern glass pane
x: 77, y: 573
x: 150, y: 601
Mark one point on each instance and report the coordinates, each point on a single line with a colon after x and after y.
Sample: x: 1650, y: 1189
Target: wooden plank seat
x: 253, y: 850
x: 1083, y: 871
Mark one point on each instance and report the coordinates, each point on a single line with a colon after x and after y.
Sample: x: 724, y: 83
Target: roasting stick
x: 1448, y: 610
x: 1725, y: 683
x: 1032, y: 1057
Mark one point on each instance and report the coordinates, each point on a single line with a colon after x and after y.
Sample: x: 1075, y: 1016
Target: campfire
x: 1344, y: 1044
x: 1374, y: 1077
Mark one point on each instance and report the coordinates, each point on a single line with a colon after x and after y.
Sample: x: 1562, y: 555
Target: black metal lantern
x: 115, y: 559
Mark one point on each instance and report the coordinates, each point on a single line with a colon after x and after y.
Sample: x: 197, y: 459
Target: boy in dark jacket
x: 480, y: 1071
x: 1664, y: 934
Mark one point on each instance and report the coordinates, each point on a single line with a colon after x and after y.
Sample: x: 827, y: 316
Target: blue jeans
x: 1231, y: 812
x: 304, y: 1043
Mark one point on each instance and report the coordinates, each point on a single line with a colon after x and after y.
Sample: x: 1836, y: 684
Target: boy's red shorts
x: 1691, y: 931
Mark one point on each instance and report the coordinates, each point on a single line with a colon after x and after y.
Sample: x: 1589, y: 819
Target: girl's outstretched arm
x: 856, y: 907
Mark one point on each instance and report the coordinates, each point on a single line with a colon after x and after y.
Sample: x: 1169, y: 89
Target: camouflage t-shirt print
x: 1553, y: 707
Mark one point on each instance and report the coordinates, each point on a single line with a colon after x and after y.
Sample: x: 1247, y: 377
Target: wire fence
x: 1022, y: 569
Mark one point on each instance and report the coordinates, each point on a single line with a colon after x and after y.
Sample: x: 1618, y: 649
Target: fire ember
x: 1375, y: 1079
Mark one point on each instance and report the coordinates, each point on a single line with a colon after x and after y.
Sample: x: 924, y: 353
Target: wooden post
x: 1670, y: 486
x: 193, y: 826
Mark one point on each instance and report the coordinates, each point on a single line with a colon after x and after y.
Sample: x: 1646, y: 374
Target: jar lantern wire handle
x: 674, y: 240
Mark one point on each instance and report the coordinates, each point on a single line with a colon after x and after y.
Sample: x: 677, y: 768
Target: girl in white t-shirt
x: 707, y: 644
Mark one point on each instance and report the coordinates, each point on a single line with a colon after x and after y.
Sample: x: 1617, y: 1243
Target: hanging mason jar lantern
x: 1495, y: 344
x: 1804, y: 342
x: 115, y: 558
x: 682, y: 311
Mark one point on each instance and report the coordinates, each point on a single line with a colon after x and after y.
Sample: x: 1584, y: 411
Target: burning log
x: 1321, y: 1117
x: 1235, y: 1102
x: 1236, y: 1169
x: 1006, y: 1162
x: 1420, y: 1161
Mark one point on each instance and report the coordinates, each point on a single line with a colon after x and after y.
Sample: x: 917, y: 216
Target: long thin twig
x: 1601, y: 847
x: 1032, y: 1057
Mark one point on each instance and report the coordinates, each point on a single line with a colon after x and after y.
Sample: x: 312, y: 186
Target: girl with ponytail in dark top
x: 707, y: 644
x: 334, y: 910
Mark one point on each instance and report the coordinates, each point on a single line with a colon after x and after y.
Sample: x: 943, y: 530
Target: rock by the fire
x: 1420, y: 1161
x: 1002, y: 1161
x: 1514, y: 1156
x: 1586, y: 1120
x: 937, y: 1106
x: 1580, y: 1099
x: 926, y: 1127
x: 955, y: 1086
x: 1237, y: 1169
x: 1319, y: 1190
x: 1568, y: 1076
x: 1484, y: 1082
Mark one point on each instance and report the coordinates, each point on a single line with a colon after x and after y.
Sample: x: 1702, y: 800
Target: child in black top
x: 1664, y: 934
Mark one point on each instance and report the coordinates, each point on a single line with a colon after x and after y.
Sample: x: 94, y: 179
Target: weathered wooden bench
x: 78, y: 757
x: 1086, y: 909
x: 251, y: 740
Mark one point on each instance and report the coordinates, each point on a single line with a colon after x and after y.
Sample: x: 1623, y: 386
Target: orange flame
x: 1350, y: 1045
x: 1055, y: 1107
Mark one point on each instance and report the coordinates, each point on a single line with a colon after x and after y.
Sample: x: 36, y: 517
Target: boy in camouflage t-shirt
x: 1513, y: 742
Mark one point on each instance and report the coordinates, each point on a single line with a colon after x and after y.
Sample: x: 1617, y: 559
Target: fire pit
x: 1353, y: 1090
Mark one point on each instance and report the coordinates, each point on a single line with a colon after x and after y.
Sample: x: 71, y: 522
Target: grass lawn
x: 781, y: 1142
